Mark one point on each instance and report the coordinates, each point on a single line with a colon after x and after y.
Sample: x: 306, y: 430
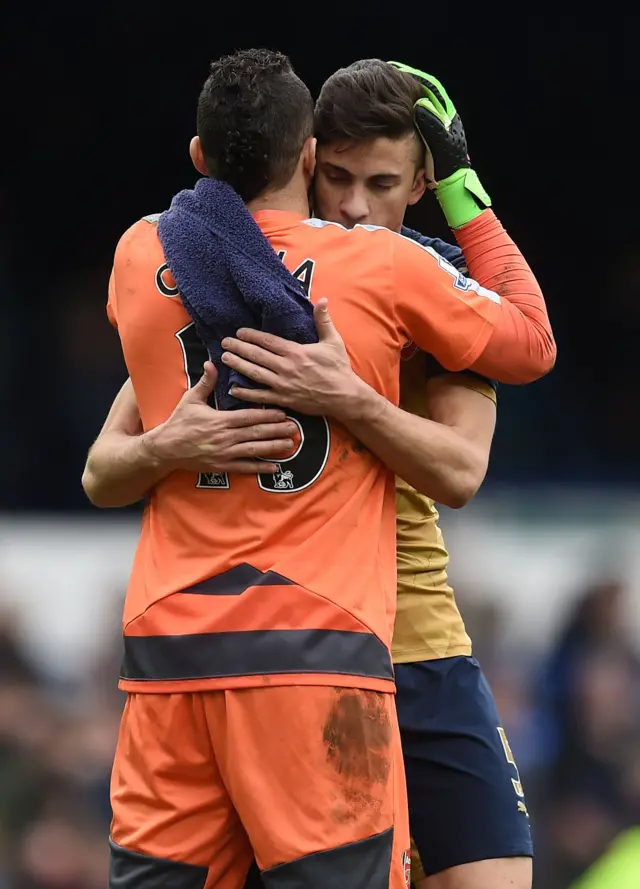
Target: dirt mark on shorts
x: 357, y: 734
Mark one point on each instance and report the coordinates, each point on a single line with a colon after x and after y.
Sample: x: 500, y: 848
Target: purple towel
x: 229, y: 276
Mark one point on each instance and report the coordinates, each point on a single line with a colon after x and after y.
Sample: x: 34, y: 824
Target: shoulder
x: 360, y: 249
x: 379, y: 238
x: 142, y: 235
x: 450, y: 252
x: 356, y: 233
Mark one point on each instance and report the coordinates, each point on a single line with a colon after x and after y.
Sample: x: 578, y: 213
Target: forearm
x: 433, y: 458
x: 524, y: 329
x: 121, y: 469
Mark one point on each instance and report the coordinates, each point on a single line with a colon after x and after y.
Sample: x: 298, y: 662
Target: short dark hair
x: 365, y: 100
x: 254, y: 115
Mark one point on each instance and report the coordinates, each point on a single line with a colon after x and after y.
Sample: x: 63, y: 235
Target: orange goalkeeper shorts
x: 308, y: 779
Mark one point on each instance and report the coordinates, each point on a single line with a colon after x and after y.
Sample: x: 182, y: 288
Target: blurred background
x: 98, y: 109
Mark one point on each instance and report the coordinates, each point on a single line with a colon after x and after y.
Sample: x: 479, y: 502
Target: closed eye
x: 384, y: 183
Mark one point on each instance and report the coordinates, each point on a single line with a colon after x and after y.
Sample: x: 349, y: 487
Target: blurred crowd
x: 573, y: 722
x: 572, y: 717
x: 56, y: 749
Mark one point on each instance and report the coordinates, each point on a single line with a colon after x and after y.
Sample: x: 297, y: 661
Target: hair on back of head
x: 254, y: 116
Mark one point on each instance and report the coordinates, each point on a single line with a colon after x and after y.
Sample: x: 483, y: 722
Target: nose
x: 355, y: 206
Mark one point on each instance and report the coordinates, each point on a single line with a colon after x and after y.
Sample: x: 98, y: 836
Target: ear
x: 197, y: 157
x: 309, y: 156
x: 418, y: 188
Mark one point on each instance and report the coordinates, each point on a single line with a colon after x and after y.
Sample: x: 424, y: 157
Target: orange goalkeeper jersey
x: 285, y: 578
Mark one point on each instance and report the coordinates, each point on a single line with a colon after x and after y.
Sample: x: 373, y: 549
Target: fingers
x: 258, y: 396
x: 251, y: 453
x: 266, y: 432
x: 252, y: 450
x: 425, y: 112
x: 254, y: 416
x: 267, y: 341
x: 247, y: 467
x: 432, y: 85
x: 437, y: 90
x: 205, y: 385
x: 436, y: 99
x: 425, y: 80
x: 247, y: 368
x: 210, y: 371
x: 252, y: 352
x: 324, y: 324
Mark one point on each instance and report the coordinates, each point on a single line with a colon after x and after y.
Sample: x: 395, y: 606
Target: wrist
x: 462, y: 197
x: 361, y: 404
x: 151, y: 447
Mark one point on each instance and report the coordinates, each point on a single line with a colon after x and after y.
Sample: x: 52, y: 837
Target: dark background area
x: 100, y: 107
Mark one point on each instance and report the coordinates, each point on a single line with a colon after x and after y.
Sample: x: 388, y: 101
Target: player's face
x: 369, y: 182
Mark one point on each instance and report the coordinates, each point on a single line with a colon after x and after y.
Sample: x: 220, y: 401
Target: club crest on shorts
x: 406, y: 863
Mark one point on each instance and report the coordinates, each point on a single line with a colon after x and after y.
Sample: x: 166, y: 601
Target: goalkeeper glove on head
x: 457, y: 187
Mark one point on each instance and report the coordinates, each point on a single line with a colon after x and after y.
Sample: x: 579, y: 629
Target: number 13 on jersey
x: 294, y: 473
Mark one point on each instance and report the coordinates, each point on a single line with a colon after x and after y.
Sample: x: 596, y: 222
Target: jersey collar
x: 277, y: 220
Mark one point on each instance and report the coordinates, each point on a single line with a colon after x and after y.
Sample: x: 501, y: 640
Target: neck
x: 289, y: 199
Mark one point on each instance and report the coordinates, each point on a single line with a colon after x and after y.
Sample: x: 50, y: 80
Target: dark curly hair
x: 366, y: 100
x: 254, y: 115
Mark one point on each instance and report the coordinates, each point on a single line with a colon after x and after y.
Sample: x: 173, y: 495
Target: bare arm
x: 444, y: 457
x: 469, y: 410
x: 125, y: 463
x: 121, y: 466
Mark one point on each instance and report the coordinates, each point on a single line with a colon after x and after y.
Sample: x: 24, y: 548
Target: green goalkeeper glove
x: 457, y: 187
